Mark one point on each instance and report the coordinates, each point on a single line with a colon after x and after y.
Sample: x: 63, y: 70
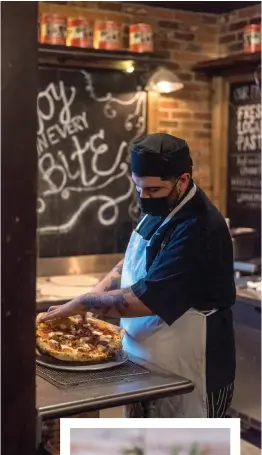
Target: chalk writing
x: 246, y: 93
x: 248, y: 127
x: 244, y: 157
x: 76, y: 161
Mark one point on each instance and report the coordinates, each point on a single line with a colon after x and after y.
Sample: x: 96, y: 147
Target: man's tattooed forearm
x: 115, y: 284
x: 118, y: 268
x: 103, y: 304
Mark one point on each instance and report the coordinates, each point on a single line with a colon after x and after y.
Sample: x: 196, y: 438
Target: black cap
x: 160, y: 154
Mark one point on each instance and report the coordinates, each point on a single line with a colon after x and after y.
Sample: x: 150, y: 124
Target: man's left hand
x: 61, y: 311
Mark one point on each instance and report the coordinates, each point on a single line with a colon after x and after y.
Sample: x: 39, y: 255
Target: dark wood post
x: 18, y: 200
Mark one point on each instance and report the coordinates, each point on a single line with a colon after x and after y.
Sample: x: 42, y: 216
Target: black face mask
x: 158, y: 206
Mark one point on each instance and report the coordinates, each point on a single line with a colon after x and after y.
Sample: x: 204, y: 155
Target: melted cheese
x: 65, y: 346
x: 51, y: 334
x: 106, y: 337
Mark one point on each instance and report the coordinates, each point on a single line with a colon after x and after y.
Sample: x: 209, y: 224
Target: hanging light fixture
x: 164, y: 81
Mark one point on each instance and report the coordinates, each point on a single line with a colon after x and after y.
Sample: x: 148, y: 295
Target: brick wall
x: 183, y: 38
x: 231, y: 28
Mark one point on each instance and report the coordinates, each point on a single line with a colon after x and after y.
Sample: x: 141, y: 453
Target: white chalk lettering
x: 46, y: 104
x: 248, y: 128
x: 51, y: 134
x: 81, y: 161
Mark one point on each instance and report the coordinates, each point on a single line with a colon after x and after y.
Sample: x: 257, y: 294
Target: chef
x: 174, y: 289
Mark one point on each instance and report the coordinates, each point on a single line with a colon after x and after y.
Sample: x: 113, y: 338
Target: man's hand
x: 116, y: 304
x: 71, y: 308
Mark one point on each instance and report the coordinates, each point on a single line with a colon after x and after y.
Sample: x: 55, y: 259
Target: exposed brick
x: 164, y: 115
x: 212, y: 29
x: 227, y: 38
x: 168, y: 104
x: 163, y: 130
x: 172, y: 65
x: 181, y: 115
x: 184, y: 27
x: 205, y: 37
x: 187, y: 56
x: 223, y: 29
x: 236, y: 47
x: 201, y: 134
x: 237, y: 25
x: 232, y: 16
x: 168, y: 24
x: 168, y: 124
x: 255, y: 20
x: 187, y: 16
x: 161, y: 13
x: 163, y: 54
x: 250, y: 11
x: 182, y: 133
x: 195, y: 87
x: 209, y: 19
x: 129, y: 9
x: 190, y: 124
x: 210, y: 49
x: 191, y: 47
x: 141, y: 11
x: 110, y: 6
x: 172, y: 45
x: 201, y: 78
x: 202, y: 115
x: 83, y: 4
x: 184, y: 36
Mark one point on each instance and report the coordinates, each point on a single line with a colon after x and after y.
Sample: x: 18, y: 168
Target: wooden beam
x: 231, y: 65
x: 19, y: 182
x: 219, y: 140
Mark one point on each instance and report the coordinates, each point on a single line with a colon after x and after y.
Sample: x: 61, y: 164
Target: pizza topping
x: 106, y: 337
x: 77, y: 339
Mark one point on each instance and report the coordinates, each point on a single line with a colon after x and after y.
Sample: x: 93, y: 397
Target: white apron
x: 179, y: 348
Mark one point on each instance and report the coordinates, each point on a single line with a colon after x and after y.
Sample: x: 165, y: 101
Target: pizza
x: 78, y: 339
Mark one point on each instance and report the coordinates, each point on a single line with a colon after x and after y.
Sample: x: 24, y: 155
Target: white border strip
x: 66, y: 425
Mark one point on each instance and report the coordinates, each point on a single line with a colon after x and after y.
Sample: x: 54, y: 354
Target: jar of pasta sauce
x: 53, y: 29
x: 140, y: 38
x: 252, y: 38
x: 79, y: 32
x: 107, y: 35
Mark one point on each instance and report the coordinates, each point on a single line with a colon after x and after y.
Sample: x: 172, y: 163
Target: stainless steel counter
x: 245, y: 294
x: 53, y: 402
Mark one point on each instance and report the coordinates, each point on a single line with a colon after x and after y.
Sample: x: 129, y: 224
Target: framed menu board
x: 244, y: 155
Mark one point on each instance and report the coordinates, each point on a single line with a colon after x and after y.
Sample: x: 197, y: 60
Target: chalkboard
x: 244, y: 156
x: 86, y: 198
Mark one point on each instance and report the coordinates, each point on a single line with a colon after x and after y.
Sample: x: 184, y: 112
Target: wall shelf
x: 229, y: 66
x: 73, y: 56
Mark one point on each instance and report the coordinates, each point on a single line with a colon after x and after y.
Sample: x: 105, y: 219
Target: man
x: 177, y: 283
